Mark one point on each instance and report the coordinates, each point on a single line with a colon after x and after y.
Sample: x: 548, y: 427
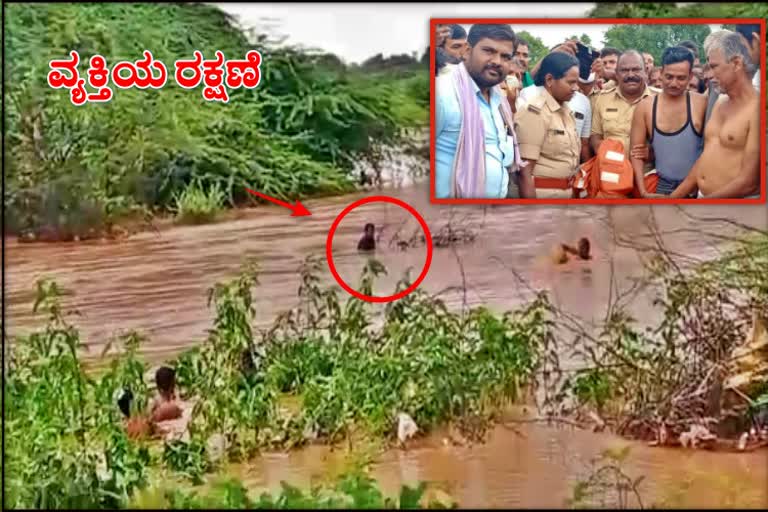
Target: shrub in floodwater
x: 195, y: 205
x: 64, y: 447
x: 608, y: 485
x: 354, y: 490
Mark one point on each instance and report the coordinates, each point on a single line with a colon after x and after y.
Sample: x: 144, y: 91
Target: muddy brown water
x: 156, y: 283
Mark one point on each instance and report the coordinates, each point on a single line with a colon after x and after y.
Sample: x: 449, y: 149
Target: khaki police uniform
x: 547, y: 134
x: 612, y: 114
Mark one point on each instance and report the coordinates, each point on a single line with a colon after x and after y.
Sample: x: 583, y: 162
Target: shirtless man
x: 672, y: 122
x: 729, y: 166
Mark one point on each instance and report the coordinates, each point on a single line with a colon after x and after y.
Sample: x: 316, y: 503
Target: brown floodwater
x: 156, y: 283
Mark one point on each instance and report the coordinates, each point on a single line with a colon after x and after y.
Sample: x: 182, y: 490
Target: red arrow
x: 298, y: 208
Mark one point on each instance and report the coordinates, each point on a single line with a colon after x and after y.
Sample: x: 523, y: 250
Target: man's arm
x: 748, y: 180
x: 637, y: 137
x: 596, y: 137
x: 527, y: 188
x: 568, y: 47
x: 439, y: 114
x: 531, y: 131
x: 689, y: 185
x: 586, y: 131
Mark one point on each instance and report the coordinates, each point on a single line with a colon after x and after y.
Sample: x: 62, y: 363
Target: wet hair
x: 555, y: 64
x: 165, y: 378
x: 691, y: 46
x: 676, y: 54
x: 457, y: 32
x: 584, y: 247
x: 370, y: 227
x: 124, y: 402
x: 605, y: 52
x: 497, y: 32
x: 732, y: 45
x: 748, y: 30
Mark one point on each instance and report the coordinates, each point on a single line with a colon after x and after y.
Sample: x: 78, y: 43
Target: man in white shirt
x: 579, y: 105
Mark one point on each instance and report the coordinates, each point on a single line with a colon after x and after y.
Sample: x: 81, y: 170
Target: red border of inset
x: 383, y: 199
x: 595, y: 21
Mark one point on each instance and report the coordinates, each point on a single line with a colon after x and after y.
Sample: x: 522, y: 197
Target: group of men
x: 697, y: 126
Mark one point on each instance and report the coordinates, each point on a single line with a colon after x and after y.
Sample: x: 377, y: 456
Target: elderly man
x: 729, y: 166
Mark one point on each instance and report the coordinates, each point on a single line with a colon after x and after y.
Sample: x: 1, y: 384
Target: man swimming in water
x: 582, y: 251
x: 367, y: 242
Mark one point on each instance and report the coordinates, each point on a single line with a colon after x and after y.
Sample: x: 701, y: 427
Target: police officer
x: 546, y: 128
x: 613, y: 107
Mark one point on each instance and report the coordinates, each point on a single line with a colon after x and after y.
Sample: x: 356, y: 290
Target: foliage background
x: 72, y: 168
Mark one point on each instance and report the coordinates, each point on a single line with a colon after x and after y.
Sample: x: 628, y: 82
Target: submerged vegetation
x: 330, y: 371
x: 351, y: 372
x: 73, y: 169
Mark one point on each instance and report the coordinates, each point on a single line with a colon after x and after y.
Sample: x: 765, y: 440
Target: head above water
x: 559, y: 75
x: 165, y: 379
x: 584, y: 248
x: 491, y: 50
x: 369, y: 229
x: 676, y: 70
x: 630, y: 73
x: 124, y: 402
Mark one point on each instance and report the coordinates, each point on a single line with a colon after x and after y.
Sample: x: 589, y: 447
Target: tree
x: 536, y: 47
x: 654, y: 39
x: 584, y: 39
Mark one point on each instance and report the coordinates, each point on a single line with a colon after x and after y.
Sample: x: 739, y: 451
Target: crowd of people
x: 506, y: 127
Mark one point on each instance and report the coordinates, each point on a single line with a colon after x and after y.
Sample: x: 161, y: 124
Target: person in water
x: 582, y: 251
x: 367, y: 242
x: 136, y: 426
x: 164, y: 406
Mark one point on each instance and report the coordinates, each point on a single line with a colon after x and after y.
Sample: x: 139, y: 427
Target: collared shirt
x: 527, y: 79
x: 499, y: 150
x: 579, y: 105
x: 612, y: 114
x: 547, y: 134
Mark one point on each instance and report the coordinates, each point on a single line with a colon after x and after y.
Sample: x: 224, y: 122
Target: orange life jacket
x: 608, y: 174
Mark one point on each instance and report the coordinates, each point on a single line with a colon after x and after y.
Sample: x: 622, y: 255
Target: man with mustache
x: 613, y: 108
x: 672, y: 121
x: 475, y: 143
x: 729, y: 166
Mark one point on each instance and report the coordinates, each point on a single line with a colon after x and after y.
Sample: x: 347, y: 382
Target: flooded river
x: 156, y: 283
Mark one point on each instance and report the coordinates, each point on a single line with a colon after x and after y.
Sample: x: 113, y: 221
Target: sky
x: 358, y: 31
x: 355, y: 32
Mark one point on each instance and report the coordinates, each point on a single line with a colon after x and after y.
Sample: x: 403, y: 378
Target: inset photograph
x: 586, y: 111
